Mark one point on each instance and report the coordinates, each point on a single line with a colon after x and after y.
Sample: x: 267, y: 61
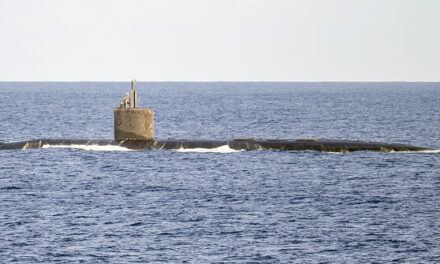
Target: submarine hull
x: 323, y: 145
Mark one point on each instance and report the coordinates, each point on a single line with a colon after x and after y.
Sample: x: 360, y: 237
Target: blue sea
x: 78, y: 204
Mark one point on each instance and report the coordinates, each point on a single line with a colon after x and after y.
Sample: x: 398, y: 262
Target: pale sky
x: 220, y: 40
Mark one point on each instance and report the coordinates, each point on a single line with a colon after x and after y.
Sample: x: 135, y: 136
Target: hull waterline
x: 322, y: 145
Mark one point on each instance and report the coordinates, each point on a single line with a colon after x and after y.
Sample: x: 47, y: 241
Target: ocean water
x: 110, y: 205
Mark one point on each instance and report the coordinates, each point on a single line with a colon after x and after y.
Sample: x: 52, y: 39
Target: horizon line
x: 128, y: 80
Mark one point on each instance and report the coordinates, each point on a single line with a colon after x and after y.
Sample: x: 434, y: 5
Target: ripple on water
x: 67, y: 205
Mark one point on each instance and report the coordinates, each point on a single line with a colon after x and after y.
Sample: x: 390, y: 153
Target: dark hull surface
x: 237, y: 144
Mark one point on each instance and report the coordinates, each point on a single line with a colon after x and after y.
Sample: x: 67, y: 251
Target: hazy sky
x: 220, y: 40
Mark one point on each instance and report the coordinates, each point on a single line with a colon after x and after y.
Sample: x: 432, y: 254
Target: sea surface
x: 103, y: 204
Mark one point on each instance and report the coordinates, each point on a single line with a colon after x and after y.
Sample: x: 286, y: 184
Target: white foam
x: 90, y: 147
x: 392, y: 151
x: 221, y: 149
x: 420, y: 151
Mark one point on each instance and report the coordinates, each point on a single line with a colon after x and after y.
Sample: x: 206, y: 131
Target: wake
x: 90, y: 147
x: 221, y: 149
x: 94, y: 147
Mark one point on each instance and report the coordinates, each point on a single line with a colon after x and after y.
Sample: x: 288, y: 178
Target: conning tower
x: 131, y: 122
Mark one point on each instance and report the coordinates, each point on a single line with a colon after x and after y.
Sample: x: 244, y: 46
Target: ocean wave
x: 221, y: 149
x: 90, y: 147
x: 417, y: 151
x: 425, y: 151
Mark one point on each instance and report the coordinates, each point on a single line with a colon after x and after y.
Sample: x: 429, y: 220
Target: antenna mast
x: 133, y: 94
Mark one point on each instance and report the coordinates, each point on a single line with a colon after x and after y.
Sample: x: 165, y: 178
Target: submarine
x: 134, y: 130
x: 322, y: 145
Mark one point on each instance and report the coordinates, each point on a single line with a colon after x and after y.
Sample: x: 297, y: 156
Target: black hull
x: 238, y: 144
